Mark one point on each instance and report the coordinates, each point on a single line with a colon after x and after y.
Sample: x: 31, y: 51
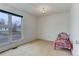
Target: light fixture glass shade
x: 43, y: 10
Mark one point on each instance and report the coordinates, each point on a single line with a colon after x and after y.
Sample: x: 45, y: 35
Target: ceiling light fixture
x: 44, y: 11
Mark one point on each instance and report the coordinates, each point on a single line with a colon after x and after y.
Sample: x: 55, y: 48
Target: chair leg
x: 71, y: 51
x: 55, y: 46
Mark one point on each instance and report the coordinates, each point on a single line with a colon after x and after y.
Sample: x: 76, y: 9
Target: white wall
x: 75, y: 28
x: 50, y: 26
x: 29, y: 26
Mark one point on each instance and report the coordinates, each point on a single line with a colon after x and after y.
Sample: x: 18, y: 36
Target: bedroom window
x: 10, y: 27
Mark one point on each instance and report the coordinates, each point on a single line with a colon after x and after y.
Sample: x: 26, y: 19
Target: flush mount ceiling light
x: 40, y: 8
x: 43, y: 10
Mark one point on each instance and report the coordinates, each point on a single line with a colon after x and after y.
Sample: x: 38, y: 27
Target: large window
x: 10, y: 27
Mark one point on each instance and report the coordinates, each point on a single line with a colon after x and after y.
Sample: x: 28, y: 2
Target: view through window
x: 10, y: 30
x: 16, y: 27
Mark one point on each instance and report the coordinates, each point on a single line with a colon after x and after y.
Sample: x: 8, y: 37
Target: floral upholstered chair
x: 63, y: 41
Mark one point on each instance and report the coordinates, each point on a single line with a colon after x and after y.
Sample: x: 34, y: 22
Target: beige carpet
x: 36, y: 48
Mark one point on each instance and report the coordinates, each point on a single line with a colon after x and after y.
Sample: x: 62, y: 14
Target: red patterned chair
x: 63, y: 41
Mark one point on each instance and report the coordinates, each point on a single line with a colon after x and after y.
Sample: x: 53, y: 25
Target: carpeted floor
x: 36, y: 48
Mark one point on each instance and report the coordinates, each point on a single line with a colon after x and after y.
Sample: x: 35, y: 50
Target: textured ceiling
x: 34, y: 8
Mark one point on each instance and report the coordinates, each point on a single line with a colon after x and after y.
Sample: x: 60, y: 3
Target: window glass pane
x: 16, y: 27
x: 3, y: 27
